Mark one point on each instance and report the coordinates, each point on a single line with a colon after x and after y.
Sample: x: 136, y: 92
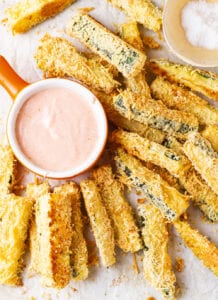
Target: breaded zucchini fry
x: 79, y: 252
x: 172, y: 143
x: 54, y: 233
x: 204, y: 158
x: 133, y: 173
x: 100, y: 222
x: 176, y: 97
x: 141, y: 11
x: 35, y: 191
x: 7, y: 169
x: 211, y: 134
x: 15, y: 214
x: 202, y: 248
x: 157, y: 265
x: 177, y: 164
x: 57, y: 57
x: 150, y: 152
x: 120, y: 212
x: 128, y: 60
x: 129, y: 32
x: 155, y: 114
x: 197, y: 80
x: 26, y: 14
x: 131, y: 125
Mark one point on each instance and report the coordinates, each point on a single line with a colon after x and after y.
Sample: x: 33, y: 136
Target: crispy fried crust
x: 202, y: 248
x: 197, y: 80
x: 79, y: 253
x: 7, y: 169
x: 155, y: 114
x: 100, y: 222
x: 52, y: 235
x: 157, y: 265
x: 25, y: 14
x: 131, y: 125
x: 128, y: 60
x: 176, y: 163
x: 176, y: 97
x: 35, y: 191
x: 57, y: 57
x: 120, y: 212
x: 211, y: 133
x: 142, y: 11
x: 133, y: 173
x: 203, y: 158
x: 129, y: 32
x: 15, y: 213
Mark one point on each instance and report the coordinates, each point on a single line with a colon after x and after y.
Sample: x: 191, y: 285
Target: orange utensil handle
x: 9, y: 79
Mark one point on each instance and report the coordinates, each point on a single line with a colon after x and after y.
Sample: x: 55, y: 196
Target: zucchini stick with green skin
x: 204, y: 159
x: 128, y: 60
x: 120, y: 212
x: 57, y: 57
x: 197, y: 80
x: 129, y: 32
x: 141, y: 11
x: 133, y: 173
x: 177, y: 164
x: 155, y: 114
x: 79, y: 252
x: 7, y: 169
x: 157, y: 265
x: 117, y: 119
x: 202, y: 248
x: 100, y: 222
x: 211, y: 133
x: 176, y: 97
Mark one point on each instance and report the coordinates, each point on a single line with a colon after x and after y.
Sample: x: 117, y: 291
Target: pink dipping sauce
x: 56, y: 129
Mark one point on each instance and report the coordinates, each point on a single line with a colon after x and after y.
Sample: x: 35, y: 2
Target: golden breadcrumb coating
x: 202, y: 248
x: 15, y: 214
x: 57, y: 57
x: 133, y: 173
x: 25, y: 14
x: 203, y: 158
x: 120, y: 212
x: 211, y: 133
x: 7, y: 169
x: 198, y: 80
x: 79, y: 252
x: 157, y: 265
x: 141, y: 11
x: 100, y: 222
x: 128, y: 60
x: 176, y: 97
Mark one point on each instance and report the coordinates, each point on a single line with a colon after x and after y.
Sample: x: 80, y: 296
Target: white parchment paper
x: 119, y: 281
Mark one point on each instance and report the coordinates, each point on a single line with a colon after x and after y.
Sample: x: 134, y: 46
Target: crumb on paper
x: 150, y: 298
x: 180, y: 264
x: 135, y: 264
x: 74, y: 290
x: 141, y: 200
x: 150, y: 42
x: 138, y: 193
x: 4, y: 21
x: 32, y: 298
x: 86, y: 10
x: 119, y: 280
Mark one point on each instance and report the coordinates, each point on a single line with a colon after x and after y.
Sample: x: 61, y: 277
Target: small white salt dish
x: 177, y: 40
x: 21, y: 91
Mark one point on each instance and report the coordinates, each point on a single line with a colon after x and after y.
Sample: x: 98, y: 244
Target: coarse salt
x: 200, y: 22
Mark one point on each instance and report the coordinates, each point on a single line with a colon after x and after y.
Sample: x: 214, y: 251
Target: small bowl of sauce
x: 57, y: 128
x: 191, y: 30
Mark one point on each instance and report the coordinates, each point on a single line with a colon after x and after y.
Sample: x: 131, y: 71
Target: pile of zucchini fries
x: 165, y: 147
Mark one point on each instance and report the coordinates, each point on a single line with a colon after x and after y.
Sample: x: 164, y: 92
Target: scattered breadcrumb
x: 150, y: 42
x: 180, y: 264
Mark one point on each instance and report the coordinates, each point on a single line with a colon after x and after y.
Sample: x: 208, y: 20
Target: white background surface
x: 119, y: 281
